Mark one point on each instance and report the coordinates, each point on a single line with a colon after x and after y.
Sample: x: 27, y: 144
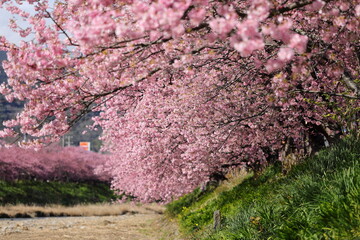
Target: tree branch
x: 62, y: 30
x: 327, y: 93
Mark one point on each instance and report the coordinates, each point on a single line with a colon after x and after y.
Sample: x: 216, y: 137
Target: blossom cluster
x: 186, y: 88
x: 51, y: 164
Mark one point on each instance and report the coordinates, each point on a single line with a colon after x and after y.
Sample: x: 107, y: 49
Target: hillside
x: 2, y: 57
x: 7, y: 110
x: 317, y: 199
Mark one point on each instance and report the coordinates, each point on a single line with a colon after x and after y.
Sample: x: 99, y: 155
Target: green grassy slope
x: 317, y: 199
x: 64, y: 193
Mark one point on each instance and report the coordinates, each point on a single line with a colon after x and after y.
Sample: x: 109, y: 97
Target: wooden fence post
x: 217, y: 219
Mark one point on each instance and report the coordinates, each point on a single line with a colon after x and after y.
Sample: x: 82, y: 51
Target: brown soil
x: 144, y: 225
x: 129, y: 227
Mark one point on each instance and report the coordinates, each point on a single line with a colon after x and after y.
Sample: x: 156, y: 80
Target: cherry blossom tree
x: 186, y: 88
x: 52, y: 163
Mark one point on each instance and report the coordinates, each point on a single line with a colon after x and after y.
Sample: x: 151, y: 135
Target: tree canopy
x: 186, y: 88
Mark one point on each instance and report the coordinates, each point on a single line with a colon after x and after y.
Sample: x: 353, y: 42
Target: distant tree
x: 186, y: 88
x: 52, y: 163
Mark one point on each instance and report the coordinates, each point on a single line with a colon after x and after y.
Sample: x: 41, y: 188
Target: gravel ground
x: 129, y: 227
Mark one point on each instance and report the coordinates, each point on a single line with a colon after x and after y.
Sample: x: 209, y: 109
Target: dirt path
x: 128, y: 227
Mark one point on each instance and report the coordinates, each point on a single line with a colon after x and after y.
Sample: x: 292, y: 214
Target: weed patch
x: 317, y: 199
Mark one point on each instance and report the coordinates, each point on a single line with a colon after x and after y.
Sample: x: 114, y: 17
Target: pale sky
x: 4, y: 22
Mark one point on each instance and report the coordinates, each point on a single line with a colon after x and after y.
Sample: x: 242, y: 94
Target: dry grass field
x: 78, y: 210
x: 90, y: 222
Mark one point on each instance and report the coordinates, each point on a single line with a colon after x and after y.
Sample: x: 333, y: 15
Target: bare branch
x: 62, y: 30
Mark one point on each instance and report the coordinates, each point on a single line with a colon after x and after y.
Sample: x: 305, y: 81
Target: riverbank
x: 91, y: 222
x: 127, y: 227
x: 318, y: 198
x: 104, y: 209
x: 34, y: 192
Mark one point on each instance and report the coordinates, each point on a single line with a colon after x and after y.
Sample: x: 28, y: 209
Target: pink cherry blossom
x: 185, y: 89
x: 286, y: 54
x: 52, y: 163
x: 357, y: 10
